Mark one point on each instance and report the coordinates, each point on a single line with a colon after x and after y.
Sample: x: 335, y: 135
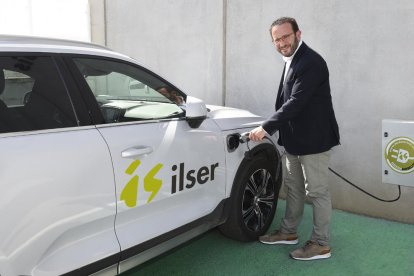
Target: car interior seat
x: 45, y: 109
x: 3, y: 106
x: 11, y: 120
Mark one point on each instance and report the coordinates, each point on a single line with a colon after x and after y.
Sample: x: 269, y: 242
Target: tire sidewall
x: 243, y: 175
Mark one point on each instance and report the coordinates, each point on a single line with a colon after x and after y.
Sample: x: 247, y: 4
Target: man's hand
x: 257, y: 134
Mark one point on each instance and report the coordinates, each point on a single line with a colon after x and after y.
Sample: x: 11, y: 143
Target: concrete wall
x: 45, y: 18
x: 220, y: 51
x: 97, y: 21
x: 182, y: 40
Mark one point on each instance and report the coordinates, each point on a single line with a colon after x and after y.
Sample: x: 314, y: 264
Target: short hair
x: 284, y: 20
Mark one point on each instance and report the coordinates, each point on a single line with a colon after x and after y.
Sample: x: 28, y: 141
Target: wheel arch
x: 266, y: 149
x: 271, y: 153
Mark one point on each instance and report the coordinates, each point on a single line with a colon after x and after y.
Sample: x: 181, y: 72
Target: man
x: 308, y: 130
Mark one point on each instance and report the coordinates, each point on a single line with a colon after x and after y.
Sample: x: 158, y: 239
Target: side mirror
x: 196, y: 112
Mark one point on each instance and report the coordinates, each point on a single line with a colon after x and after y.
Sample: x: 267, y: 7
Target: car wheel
x: 254, y: 200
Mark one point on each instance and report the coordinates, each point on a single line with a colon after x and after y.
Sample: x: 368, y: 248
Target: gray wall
x: 180, y: 40
x: 220, y: 51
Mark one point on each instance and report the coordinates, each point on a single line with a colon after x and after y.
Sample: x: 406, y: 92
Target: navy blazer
x: 304, y: 113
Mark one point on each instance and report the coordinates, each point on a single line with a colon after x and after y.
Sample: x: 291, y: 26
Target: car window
x: 32, y: 95
x: 17, y: 88
x: 126, y: 93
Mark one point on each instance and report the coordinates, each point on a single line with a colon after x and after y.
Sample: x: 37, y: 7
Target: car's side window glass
x: 126, y: 93
x: 32, y: 95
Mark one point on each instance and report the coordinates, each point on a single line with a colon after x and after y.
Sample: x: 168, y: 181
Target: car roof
x: 34, y: 44
x: 16, y: 43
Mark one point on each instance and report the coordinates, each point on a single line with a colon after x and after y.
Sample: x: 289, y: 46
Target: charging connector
x: 235, y: 139
x: 244, y: 137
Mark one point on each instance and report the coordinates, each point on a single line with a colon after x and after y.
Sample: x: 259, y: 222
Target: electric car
x: 105, y: 164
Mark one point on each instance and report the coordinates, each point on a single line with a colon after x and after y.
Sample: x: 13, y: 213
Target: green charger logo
x: 399, y: 155
x: 151, y: 184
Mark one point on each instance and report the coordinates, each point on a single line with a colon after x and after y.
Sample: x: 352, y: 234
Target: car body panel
x: 149, y: 199
x: 228, y: 118
x: 53, y: 211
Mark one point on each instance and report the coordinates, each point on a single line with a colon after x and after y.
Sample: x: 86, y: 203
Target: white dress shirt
x: 288, y: 61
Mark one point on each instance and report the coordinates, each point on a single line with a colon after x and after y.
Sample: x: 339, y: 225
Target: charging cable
x: 244, y: 138
x: 365, y: 192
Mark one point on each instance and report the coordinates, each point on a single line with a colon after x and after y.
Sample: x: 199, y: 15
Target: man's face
x: 285, y: 39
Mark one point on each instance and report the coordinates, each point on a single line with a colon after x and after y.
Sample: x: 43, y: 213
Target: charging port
x: 233, y: 142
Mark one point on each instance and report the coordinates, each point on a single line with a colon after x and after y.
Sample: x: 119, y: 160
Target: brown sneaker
x: 311, y: 251
x: 278, y: 237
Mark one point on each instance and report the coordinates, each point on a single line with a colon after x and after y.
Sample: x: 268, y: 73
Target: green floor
x: 360, y: 246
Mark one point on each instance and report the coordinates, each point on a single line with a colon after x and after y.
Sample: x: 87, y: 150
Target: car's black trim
x: 85, y: 92
x: 213, y: 219
x: 75, y: 94
x: 95, y: 267
x: 195, y: 122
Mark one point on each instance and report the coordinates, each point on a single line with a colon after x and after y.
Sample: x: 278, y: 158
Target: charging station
x: 398, y: 152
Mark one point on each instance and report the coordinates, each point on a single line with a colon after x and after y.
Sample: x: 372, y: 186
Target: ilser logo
x: 151, y: 184
x: 182, y: 179
x: 399, y: 155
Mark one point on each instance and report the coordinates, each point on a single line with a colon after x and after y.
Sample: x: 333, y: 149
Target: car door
x: 167, y: 174
x: 57, y: 200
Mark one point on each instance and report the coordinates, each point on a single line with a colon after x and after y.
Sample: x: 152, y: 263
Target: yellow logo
x: 151, y: 184
x: 182, y: 179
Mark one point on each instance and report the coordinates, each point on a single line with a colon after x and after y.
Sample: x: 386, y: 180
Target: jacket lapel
x: 295, y: 59
x: 281, y: 93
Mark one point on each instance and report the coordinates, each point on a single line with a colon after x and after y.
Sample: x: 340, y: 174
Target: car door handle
x: 136, y: 151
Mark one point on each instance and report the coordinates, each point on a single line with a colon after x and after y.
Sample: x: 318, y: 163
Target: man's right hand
x: 257, y: 134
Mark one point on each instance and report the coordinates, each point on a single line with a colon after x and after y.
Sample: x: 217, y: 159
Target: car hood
x: 233, y: 118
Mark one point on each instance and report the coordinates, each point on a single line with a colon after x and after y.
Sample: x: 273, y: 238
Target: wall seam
x: 105, y: 24
x: 224, y: 53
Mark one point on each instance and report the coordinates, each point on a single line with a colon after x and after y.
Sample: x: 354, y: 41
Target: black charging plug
x: 244, y: 137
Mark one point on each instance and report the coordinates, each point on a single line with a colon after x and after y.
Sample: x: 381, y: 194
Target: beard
x: 289, y: 49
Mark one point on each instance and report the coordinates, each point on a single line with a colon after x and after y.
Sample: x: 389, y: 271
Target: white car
x: 105, y: 164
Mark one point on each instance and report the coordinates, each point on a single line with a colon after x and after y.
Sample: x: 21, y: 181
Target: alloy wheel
x: 258, y: 200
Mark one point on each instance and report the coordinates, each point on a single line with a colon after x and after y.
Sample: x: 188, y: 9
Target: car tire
x: 253, y: 200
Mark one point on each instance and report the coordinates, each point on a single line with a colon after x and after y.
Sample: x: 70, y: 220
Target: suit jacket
x: 304, y: 113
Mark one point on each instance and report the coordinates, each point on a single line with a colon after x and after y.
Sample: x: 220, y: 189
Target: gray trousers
x: 307, y: 175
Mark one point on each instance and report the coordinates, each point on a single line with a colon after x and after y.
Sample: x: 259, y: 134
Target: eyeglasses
x: 282, y: 38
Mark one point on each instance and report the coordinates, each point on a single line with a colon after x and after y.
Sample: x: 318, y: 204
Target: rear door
x: 167, y: 174
x: 57, y: 200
